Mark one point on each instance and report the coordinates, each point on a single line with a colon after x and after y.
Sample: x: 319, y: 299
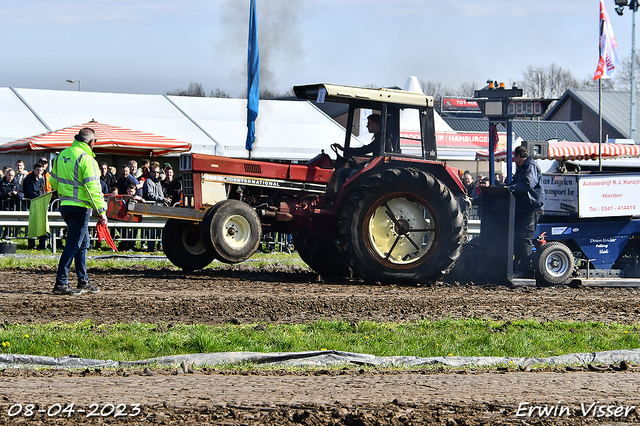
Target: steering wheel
x: 341, y: 158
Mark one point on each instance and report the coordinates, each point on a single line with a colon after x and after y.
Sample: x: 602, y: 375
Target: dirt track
x: 291, y: 295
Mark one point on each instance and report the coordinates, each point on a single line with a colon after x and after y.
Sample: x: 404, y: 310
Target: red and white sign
x: 459, y: 105
x: 464, y: 140
x: 451, y: 140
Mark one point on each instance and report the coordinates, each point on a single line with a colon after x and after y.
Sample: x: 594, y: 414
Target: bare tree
x: 435, y: 89
x: 466, y: 89
x: 623, y: 76
x: 438, y: 90
x: 607, y: 83
x: 197, y: 91
x: 270, y: 94
x: 547, y: 81
x: 218, y: 93
x: 194, y: 89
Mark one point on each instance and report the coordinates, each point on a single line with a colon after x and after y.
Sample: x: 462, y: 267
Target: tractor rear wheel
x: 401, y: 226
x: 554, y: 264
x: 321, y: 254
x: 183, y: 246
x: 231, y: 230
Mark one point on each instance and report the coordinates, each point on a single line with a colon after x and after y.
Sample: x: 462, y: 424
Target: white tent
x: 16, y: 120
x: 293, y: 130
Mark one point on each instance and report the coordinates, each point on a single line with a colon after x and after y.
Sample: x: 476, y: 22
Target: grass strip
x: 26, y: 258
x: 450, y: 337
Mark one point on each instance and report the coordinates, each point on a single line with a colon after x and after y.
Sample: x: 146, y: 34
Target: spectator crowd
x: 150, y: 183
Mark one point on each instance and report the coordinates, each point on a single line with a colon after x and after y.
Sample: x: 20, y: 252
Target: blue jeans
x: 77, y: 220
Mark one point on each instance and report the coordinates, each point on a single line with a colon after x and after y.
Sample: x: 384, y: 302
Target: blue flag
x: 253, y: 71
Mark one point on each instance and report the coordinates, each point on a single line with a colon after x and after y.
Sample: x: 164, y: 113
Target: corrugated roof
x: 534, y: 130
x: 615, y: 107
x: 528, y: 130
x: 463, y: 124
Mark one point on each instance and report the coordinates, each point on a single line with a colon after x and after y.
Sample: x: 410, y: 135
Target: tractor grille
x: 187, y: 189
x: 253, y: 168
x: 187, y: 184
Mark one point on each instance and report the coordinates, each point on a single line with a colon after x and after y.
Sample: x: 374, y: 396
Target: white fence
x: 14, y: 224
x: 17, y: 222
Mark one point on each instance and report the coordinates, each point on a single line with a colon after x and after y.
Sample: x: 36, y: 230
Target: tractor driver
x: 373, y: 126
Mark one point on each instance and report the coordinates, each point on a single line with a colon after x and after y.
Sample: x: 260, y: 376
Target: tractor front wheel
x: 183, y: 246
x: 231, y: 230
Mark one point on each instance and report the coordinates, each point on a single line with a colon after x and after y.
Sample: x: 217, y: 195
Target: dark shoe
x: 85, y: 287
x: 66, y: 290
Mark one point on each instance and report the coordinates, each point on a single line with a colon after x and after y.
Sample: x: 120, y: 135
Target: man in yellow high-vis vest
x: 76, y: 176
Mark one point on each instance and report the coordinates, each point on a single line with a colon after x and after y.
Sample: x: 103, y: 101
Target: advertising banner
x: 610, y: 195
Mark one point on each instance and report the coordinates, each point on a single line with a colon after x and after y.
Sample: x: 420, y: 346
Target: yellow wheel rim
x: 401, y: 230
x: 237, y: 231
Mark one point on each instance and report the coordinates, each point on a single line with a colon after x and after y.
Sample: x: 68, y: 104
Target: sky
x: 156, y: 46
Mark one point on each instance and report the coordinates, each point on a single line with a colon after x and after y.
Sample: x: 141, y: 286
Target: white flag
x: 608, y: 54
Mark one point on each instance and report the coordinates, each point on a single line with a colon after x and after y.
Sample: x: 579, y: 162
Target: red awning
x: 110, y: 140
x: 575, y: 151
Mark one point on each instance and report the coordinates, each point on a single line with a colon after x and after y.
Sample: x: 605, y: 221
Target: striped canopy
x: 575, y: 151
x: 110, y: 140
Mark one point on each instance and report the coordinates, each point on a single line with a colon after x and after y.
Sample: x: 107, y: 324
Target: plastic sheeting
x: 315, y: 359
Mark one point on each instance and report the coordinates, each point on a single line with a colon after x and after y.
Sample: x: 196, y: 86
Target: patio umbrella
x: 110, y: 140
x: 564, y: 151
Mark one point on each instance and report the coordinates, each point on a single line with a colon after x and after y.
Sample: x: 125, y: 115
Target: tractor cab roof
x: 350, y: 94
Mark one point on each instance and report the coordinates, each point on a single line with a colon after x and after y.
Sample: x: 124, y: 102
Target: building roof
x: 615, y: 107
x: 528, y: 130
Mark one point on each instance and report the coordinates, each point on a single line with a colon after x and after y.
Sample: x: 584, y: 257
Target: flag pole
x: 608, y: 60
x: 600, y: 126
x: 632, y: 130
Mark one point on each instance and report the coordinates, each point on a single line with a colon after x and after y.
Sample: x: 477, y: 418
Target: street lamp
x: 75, y: 81
x: 633, y: 6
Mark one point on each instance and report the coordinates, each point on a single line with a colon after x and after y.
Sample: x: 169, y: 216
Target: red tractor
x: 389, y: 216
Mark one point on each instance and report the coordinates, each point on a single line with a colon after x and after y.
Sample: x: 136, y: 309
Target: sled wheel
x: 183, y: 246
x: 232, y: 231
x: 401, y: 226
x: 321, y: 254
x: 554, y: 264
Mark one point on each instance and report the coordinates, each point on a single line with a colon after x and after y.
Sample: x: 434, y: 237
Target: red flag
x: 493, y: 137
x: 608, y: 54
x: 103, y: 234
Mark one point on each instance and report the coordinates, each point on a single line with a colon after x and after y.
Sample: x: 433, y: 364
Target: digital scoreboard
x: 511, y: 108
x: 525, y: 109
